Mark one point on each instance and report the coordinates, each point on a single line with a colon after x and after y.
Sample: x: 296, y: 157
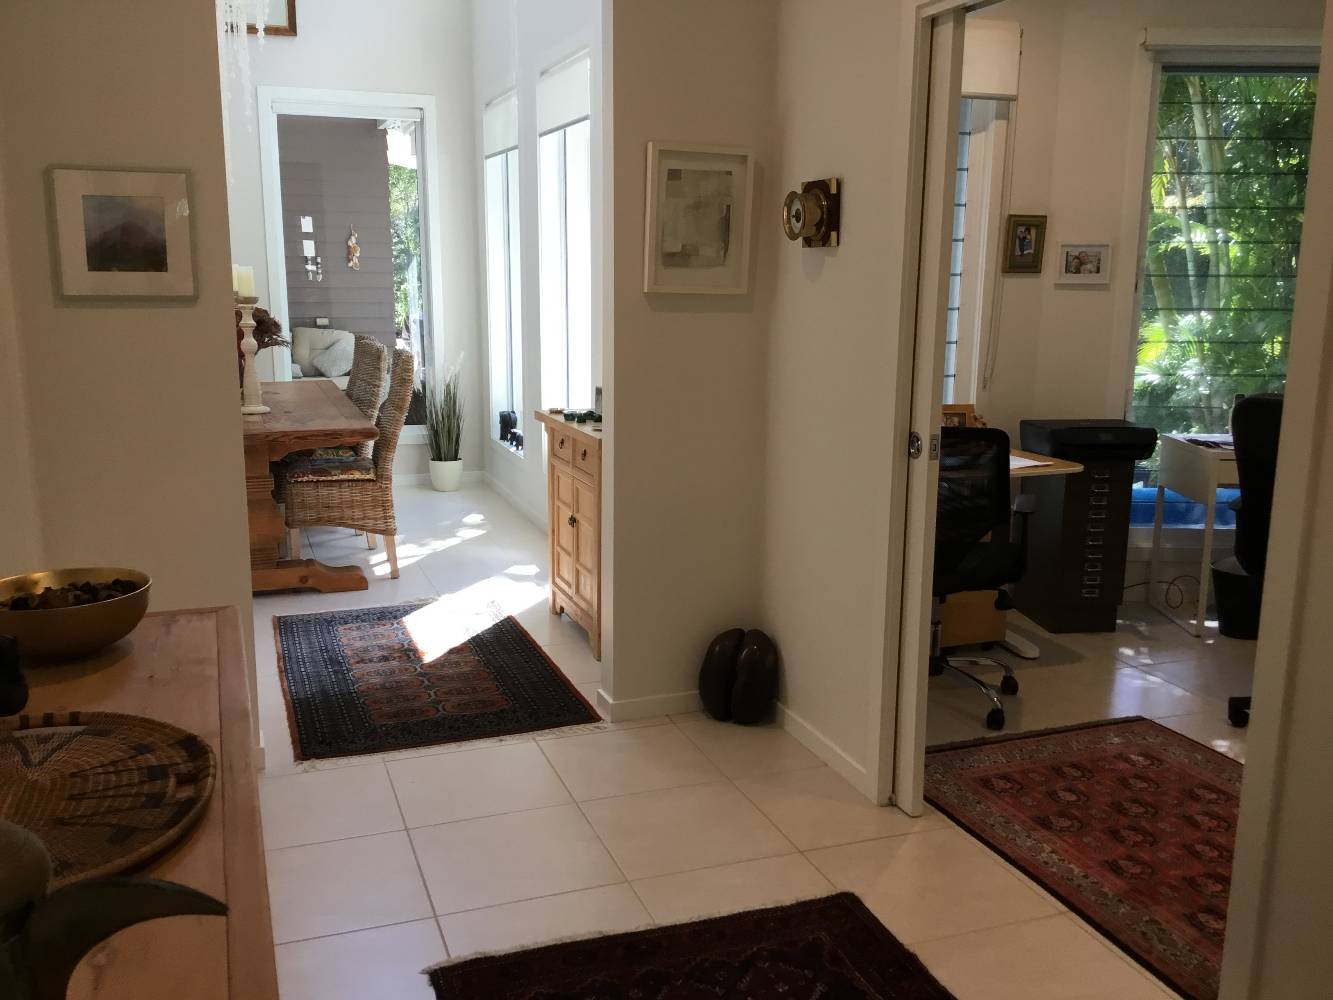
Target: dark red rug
x: 831, y: 949
x: 369, y: 680
x: 1129, y: 823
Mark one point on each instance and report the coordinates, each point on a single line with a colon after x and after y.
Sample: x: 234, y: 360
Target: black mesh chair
x: 973, y: 548
x: 1255, y: 424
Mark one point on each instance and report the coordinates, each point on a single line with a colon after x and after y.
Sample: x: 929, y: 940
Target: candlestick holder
x: 252, y: 393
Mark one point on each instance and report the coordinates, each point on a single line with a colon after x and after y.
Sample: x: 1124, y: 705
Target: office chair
x: 1255, y: 424
x: 973, y: 549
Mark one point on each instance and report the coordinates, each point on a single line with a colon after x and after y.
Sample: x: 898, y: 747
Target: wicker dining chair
x: 365, y: 383
x: 356, y: 492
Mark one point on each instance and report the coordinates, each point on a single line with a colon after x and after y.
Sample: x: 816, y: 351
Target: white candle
x: 243, y: 281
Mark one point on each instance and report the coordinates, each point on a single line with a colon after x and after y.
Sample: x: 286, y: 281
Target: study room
x: 1125, y: 235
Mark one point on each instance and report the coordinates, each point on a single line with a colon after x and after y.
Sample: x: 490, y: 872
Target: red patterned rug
x: 1129, y: 823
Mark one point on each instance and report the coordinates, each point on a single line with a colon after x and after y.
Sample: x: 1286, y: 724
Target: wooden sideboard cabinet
x: 574, y: 506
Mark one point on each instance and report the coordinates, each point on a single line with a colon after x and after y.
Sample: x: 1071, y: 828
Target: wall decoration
x: 697, y: 226
x: 353, y: 251
x: 1084, y: 264
x: 121, y: 234
x: 1025, y: 244
x: 813, y: 214
x: 279, y: 17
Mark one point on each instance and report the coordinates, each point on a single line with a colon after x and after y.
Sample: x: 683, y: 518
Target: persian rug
x: 369, y: 680
x: 1128, y: 823
x: 832, y: 948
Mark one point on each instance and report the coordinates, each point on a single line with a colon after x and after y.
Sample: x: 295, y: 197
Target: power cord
x: 1173, y: 594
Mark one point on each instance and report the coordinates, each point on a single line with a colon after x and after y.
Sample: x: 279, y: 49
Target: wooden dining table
x: 303, y: 415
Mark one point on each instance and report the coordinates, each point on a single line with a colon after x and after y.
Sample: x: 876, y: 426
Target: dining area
x: 317, y: 455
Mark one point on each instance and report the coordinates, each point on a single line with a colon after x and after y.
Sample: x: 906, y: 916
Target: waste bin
x: 1239, y: 599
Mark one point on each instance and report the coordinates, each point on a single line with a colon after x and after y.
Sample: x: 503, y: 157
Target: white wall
x: 686, y: 405
x: 133, y: 409
x: 1078, y: 136
x: 20, y: 531
x: 389, y: 46
x: 512, y: 44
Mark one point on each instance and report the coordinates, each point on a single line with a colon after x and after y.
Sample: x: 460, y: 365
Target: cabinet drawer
x: 562, y: 445
x: 588, y: 457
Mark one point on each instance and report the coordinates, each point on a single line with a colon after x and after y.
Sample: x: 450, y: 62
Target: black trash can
x: 1239, y: 599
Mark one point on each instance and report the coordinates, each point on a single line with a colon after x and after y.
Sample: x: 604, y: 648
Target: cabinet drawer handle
x: 584, y: 456
x: 572, y: 521
x: 561, y: 444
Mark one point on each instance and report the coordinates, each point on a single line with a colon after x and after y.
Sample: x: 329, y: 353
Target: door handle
x: 572, y: 521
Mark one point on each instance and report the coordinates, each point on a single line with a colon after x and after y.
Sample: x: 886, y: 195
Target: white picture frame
x: 1084, y: 264
x: 698, y: 209
x: 121, y: 234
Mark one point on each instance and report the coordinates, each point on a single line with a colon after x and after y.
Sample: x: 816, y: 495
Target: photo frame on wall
x: 697, y: 219
x: 121, y: 234
x: 1024, y: 244
x: 1084, y: 264
x: 279, y: 18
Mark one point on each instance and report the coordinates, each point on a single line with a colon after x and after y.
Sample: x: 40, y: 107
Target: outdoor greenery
x: 1228, y: 198
x: 405, y: 231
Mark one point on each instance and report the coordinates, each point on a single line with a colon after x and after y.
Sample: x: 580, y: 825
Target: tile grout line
x: 416, y: 859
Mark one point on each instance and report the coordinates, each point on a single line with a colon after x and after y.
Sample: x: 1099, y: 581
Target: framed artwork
x: 1084, y: 264
x: 960, y: 415
x: 1024, y: 244
x: 279, y: 18
x: 697, y: 225
x: 121, y: 234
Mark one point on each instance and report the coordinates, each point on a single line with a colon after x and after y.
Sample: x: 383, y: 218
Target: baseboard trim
x: 825, y: 749
x: 470, y: 477
x: 629, y: 709
x: 508, y: 496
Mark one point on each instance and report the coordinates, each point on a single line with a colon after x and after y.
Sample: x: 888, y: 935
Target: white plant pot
x: 446, y: 476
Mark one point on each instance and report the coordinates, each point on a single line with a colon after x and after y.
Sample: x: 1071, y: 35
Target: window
x: 956, y: 256
x: 565, y: 227
x: 503, y: 285
x: 1226, y: 202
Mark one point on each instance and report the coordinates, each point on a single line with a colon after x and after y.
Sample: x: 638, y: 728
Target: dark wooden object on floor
x: 304, y: 415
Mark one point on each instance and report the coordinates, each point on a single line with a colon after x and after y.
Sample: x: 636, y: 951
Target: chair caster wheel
x: 995, y: 719
x: 1008, y: 685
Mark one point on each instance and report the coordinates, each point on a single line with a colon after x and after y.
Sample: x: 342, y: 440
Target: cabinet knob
x: 572, y: 521
x: 561, y: 444
x: 584, y: 456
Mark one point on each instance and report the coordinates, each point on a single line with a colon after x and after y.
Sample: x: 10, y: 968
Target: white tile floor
x: 380, y: 866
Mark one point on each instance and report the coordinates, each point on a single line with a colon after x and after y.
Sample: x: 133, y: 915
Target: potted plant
x: 444, y: 431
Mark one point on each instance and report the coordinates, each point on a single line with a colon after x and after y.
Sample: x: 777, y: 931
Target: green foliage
x: 444, y: 417
x: 405, y: 233
x: 1228, y: 199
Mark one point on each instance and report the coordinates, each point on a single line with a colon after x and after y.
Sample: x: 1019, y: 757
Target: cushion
x: 312, y: 469
x: 342, y: 452
x: 717, y: 676
x: 310, y: 340
x: 297, y: 373
x: 334, y: 360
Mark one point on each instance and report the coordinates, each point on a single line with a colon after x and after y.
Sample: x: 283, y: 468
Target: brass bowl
x: 59, y: 633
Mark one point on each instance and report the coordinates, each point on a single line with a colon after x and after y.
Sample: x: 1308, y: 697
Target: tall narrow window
x: 1226, y: 202
x: 956, y: 256
x: 503, y: 285
x: 565, y: 220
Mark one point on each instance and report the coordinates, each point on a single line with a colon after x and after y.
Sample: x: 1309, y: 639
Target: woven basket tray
x: 104, y: 792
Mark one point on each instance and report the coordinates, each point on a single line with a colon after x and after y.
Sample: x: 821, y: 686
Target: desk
x: 186, y: 668
x: 304, y: 415
x: 971, y: 618
x: 1194, y: 471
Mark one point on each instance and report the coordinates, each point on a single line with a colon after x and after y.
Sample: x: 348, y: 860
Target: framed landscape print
x: 279, y: 18
x: 697, y: 225
x: 121, y: 234
x: 1025, y: 244
x: 1084, y: 264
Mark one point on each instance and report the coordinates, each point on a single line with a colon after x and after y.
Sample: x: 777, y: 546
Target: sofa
x: 320, y: 352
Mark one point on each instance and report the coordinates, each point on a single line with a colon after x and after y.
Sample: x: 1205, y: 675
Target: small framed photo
x: 1084, y: 264
x: 1025, y: 244
x: 697, y: 219
x: 121, y: 234
x: 279, y: 18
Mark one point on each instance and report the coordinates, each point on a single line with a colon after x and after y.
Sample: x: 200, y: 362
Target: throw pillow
x: 334, y: 360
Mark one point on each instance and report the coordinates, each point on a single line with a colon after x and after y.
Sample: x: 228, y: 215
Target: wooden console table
x: 305, y: 414
x: 186, y: 668
x: 574, y: 500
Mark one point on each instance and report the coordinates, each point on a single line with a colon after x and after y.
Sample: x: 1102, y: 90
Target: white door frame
x: 322, y: 103
x: 1309, y: 380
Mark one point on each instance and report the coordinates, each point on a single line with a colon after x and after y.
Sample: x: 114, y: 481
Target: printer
x: 1078, y: 535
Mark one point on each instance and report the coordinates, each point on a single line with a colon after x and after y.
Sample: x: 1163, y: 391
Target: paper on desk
x: 1015, y: 462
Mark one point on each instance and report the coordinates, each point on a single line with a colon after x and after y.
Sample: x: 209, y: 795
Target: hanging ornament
x: 353, y: 252
x: 233, y: 20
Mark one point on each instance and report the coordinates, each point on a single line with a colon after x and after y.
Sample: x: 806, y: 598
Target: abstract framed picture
x: 1024, y: 244
x: 697, y: 226
x: 121, y: 234
x: 1084, y: 264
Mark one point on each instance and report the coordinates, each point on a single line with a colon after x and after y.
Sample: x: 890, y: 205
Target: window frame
x: 562, y: 185
x: 510, y: 179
